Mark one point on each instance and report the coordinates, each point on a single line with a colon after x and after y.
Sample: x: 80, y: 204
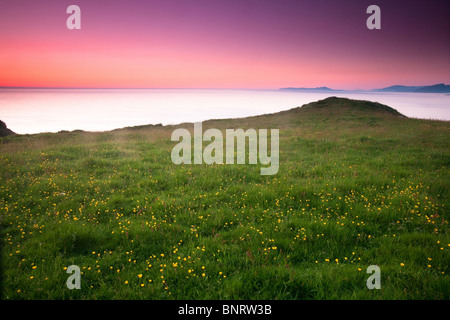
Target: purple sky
x: 224, y: 44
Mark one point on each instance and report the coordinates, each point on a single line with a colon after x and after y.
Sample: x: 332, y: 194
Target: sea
x: 30, y: 111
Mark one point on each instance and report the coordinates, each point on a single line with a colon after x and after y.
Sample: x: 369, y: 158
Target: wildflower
x: 140, y: 275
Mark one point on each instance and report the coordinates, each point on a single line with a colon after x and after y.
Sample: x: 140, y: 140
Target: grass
x: 358, y: 185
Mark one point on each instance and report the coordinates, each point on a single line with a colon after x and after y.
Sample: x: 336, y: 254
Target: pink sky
x: 224, y: 44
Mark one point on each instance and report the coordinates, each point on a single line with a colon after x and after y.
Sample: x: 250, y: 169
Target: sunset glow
x: 223, y: 44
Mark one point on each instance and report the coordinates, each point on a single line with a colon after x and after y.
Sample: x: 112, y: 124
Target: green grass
x: 358, y: 185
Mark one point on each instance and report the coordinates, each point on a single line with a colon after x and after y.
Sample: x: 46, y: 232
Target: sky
x: 259, y: 44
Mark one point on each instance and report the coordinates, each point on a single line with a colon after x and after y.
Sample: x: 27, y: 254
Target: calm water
x: 52, y: 110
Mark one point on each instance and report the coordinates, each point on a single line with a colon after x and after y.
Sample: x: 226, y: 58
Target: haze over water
x: 52, y: 110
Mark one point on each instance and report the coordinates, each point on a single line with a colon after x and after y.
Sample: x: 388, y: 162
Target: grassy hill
x: 359, y: 184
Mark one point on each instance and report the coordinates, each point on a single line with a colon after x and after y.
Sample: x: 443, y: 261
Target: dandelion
x: 140, y: 275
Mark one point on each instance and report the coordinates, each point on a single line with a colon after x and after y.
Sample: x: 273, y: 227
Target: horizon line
x: 209, y: 88
x: 137, y: 88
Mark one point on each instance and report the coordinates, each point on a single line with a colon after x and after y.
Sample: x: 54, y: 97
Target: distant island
x: 322, y: 89
x: 437, y: 88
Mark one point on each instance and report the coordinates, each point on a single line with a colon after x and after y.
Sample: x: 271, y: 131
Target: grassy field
x: 358, y: 185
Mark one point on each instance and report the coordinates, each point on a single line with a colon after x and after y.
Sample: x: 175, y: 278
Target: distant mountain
x: 310, y: 89
x: 437, y: 88
x: 4, y: 131
x: 399, y: 88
